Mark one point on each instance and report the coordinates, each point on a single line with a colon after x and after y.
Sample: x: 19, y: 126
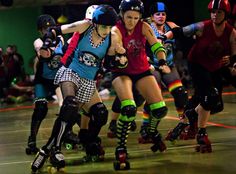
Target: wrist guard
x: 155, y: 48
x: 162, y: 62
x: 111, y: 62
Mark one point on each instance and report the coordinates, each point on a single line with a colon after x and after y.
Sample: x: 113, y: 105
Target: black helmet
x: 136, y: 5
x: 158, y: 7
x: 45, y: 21
x: 105, y: 15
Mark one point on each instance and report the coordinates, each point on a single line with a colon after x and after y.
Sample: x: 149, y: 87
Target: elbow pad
x: 157, y: 47
x: 177, y: 32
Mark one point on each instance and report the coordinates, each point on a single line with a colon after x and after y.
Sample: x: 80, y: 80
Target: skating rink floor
x: 180, y: 158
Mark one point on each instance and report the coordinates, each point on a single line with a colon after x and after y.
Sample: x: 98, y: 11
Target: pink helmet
x: 219, y: 5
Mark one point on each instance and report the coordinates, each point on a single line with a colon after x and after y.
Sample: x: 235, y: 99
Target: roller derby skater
x: 77, y: 85
x: 45, y: 72
x: 138, y: 74
x: 207, y: 69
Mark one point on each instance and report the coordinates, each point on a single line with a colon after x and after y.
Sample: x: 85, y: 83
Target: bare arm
x: 79, y: 26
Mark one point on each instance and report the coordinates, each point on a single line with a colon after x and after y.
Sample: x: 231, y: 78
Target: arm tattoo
x: 191, y: 29
x: 72, y: 26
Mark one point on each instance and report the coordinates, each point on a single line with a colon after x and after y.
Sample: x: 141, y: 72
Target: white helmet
x: 89, y: 11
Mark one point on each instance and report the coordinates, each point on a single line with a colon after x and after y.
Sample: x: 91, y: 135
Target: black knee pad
x: 41, y: 108
x: 129, y: 110
x: 218, y: 107
x: 180, y: 97
x: 116, y: 105
x: 208, y: 102
x: 69, y: 109
x: 159, y: 113
x: 99, y: 114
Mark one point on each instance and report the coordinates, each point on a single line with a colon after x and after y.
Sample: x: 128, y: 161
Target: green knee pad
x: 128, y: 110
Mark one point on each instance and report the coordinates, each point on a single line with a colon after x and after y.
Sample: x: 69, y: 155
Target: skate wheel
x: 69, y: 146
x: 121, y: 166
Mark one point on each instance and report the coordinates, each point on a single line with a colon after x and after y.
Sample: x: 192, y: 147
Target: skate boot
x: 145, y: 137
x: 204, y: 144
x: 31, y: 149
x: 173, y: 134
x: 71, y: 141
x: 190, y: 131
x: 39, y: 160
x: 58, y: 162
x: 158, y: 143
x: 112, y: 129
x: 133, y: 126
x: 94, y: 151
x: 121, y: 162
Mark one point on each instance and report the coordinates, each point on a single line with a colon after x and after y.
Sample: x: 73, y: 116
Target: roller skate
x: 133, y: 126
x: 173, y: 134
x: 39, y: 160
x: 121, y: 162
x: 158, y: 144
x: 112, y: 129
x: 31, y: 149
x: 204, y: 144
x: 145, y: 137
x: 94, y: 152
x: 71, y: 141
x: 191, y: 130
x: 58, y: 162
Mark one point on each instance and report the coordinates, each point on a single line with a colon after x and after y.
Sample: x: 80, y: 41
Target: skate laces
x: 40, y: 158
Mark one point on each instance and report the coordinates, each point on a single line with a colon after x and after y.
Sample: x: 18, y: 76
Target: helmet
x: 45, y: 21
x: 89, y: 11
x: 219, y: 5
x: 158, y: 7
x: 105, y: 15
x: 136, y: 5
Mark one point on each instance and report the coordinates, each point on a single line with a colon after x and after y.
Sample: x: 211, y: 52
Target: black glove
x: 162, y: 37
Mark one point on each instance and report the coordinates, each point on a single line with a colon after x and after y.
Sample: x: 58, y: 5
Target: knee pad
x: 69, y: 109
x: 41, y: 108
x: 116, y: 105
x: 208, y: 102
x: 158, y: 110
x: 180, y: 97
x: 218, y: 107
x: 128, y: 110
x: 99, y: 114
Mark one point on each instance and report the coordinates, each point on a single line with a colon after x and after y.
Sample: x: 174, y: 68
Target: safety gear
x: 44, y: 21
x: 89, y: 12
x: 158, y: 7
x: 219, y: 5
x: 105, y: 15
x: 135, y: 5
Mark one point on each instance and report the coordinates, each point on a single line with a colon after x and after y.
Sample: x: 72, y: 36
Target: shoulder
x: 171, y: 24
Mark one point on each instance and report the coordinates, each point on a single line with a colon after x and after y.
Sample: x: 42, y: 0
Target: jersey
x: 135, y: 49
x: 209, y: 48
x: 87, y: 58
x: 168, y: 44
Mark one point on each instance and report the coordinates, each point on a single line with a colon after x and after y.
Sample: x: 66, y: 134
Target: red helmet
x: 219, y: 5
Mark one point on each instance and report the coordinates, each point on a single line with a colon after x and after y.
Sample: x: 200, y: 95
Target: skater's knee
x: 41, y: 108
x: 158, y: 110
x: 208, y: 102
x: 99, y: 114
x: 128, y: 110
x: 69, y: 109
x: 180, y: 96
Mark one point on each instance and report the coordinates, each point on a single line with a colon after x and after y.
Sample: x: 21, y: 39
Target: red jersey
x: 210, y: 48
x: 135, y: 49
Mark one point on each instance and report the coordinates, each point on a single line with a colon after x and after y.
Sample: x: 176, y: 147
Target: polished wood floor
x: 179, y: 158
